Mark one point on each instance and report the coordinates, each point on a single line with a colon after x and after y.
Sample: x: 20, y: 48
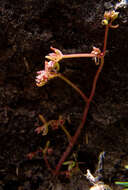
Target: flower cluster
x: 51, y: 67
x: 56, y: 56
x: 109, y: 16
x: 97, y: 53
x: 53, y: 123
x: 44, y: 75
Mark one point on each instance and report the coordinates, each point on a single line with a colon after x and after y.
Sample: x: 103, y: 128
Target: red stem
x: 78, y: 55
x: 105, y: 39
x: 47, y: 163
x: 95, y: 79
x: 85, y: 98
x: 78, y: 131
x: 72, y: 142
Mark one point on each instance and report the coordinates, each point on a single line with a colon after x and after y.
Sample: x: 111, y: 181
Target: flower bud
x: 104, y: 22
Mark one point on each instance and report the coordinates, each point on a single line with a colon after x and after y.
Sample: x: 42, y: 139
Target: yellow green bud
x: 104, y: 22
x: 114, y: 15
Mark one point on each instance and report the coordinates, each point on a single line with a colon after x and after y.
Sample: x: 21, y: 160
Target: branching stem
x: 66, y: 132
x: 109, y: 17
x: 88, y: 101
x: 77, y: 133
x: 105, y: 39
x: 73, y: 86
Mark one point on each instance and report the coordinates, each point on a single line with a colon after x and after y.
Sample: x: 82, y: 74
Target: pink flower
x: 49, y: 66
x: 96, y: 51
x: 50, y: 71
x: 56, y: 56
x: 41, y: 78
x: 42, y: 129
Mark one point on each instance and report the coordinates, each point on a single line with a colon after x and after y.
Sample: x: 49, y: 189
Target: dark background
x: 27, y: 30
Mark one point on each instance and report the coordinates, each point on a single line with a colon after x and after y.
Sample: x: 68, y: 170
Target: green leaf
x: 122, y: 183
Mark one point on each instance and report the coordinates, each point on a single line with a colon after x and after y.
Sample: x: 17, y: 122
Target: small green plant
x: 124, y: 184
x: 51, y: 71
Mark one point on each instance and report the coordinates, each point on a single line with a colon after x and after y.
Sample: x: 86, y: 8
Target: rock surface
x: 27, y: 30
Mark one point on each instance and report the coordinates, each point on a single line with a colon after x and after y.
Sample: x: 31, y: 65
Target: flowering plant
x: 51, y: 70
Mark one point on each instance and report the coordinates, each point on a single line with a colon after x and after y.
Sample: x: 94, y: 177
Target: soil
x: 27, y: 30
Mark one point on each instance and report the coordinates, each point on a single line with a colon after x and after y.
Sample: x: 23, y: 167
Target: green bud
x: 56, y: 66
x: 104, y: 22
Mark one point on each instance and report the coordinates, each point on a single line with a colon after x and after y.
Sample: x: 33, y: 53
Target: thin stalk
x: 79, y: 55
x: 66, y: 132
x: 41, y: 117
x: 95, y: 79
x: 78, y: 131
x: 73, y: 86
x: 72, y: 142
x: 45, y: 152
x: 101, y: 64
x: 105, y: 39
x: 87, y: 100
x: 47, y: 163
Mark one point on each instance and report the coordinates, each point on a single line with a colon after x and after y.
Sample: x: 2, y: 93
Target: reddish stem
x: 73, y: 86
x: 47, y: 164
x: 78, y: 131
x: 78, y: 55
x: 72, y: 142
x: 88, y: 101
x: 95, y: 79
x: 105, y: 39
